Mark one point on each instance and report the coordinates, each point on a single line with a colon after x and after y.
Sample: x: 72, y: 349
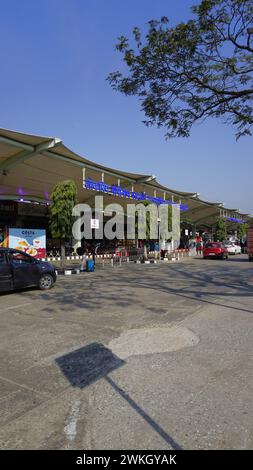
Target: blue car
x: 19, y: 270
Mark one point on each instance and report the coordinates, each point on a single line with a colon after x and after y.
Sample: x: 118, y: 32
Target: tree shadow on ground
x: 113, y: 290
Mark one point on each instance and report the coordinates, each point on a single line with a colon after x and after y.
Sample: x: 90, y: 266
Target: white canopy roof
x: 30, y: 166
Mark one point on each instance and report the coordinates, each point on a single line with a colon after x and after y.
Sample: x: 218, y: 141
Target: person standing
x: 198, y: 244
x: 156, y: 247
x: 83, y: 263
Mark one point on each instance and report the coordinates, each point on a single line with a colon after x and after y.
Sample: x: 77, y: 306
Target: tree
x: 195, y: 70
x: 221, y: 230
x: 242, y: 230
x: 61, y: 220
x: 143, y: 224
x: 146, y: 224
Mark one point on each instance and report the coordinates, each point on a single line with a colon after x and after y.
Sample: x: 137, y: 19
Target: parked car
x: 18, y: 270
x: 233, y: 248
x: 215, y: 250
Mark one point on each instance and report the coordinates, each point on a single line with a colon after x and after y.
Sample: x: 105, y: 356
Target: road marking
x: 71, y: 427
x: 17, y: 306
x: 26, y: 387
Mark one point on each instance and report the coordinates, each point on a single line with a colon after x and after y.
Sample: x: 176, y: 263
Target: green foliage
x: 139, y: 222
x: 221, y: 230
x: 185, y: 218
x: 169, y: 218
x: 198, y: 69
x: 242, y: 230
x: 63, y: 200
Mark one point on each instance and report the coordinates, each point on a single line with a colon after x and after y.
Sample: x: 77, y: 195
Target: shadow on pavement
x: 115, y: 288
x: 94, y: 362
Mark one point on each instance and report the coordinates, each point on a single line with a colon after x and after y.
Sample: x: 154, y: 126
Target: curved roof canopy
x: 30, y: 166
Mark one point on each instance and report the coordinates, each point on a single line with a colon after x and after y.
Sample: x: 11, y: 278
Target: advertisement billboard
x: 31, y: 241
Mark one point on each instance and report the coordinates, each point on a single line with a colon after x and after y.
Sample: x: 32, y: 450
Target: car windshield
x: 213, y: 245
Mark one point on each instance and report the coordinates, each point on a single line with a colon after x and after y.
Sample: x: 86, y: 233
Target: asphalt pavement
x: 131, y: 357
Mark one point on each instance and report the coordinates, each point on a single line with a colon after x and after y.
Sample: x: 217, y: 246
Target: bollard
x: 111, y: 261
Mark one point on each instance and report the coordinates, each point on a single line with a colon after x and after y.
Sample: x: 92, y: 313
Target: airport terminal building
x: 30, y: 167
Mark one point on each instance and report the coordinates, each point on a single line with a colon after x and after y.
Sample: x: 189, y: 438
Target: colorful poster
x: 3, y: 237
x: 31, y: 241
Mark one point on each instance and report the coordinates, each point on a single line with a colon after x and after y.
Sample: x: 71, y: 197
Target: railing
x: 123, y: 255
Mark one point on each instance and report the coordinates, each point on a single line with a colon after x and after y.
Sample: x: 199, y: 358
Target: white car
x: 233, y: 249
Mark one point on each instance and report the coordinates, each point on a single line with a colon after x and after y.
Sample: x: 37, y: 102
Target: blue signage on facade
x: 120, y: 192
x: 233, y: 219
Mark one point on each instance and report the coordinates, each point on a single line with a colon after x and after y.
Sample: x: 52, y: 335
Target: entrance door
x: 5, y: 273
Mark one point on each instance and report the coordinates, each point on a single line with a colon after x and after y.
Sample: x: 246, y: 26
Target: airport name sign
x: 120, y: 192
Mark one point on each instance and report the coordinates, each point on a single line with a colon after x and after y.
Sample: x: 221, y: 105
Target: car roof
x: 10, y: 250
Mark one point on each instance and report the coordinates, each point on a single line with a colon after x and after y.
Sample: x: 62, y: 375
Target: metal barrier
x: 125, y: 256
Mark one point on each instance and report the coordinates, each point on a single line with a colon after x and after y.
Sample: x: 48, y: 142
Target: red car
x: 215, y: 250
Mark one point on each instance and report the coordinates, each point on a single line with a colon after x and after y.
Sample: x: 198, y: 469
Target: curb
x: 70, y: 272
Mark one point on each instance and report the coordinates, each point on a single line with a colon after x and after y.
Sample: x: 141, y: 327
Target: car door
x: 25, y: 269
x: 5, y: 273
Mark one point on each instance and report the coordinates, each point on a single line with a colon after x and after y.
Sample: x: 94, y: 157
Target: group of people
x: 84, y: 253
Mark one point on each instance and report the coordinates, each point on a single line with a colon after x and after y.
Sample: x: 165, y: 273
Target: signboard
x: 31, y: 241
x: 121, y: 192
x: 94, y: 223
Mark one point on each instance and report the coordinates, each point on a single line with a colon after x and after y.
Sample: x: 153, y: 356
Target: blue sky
x: 55, y: 56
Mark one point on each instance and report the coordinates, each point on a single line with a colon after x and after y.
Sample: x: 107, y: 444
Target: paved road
x: 134, y: 357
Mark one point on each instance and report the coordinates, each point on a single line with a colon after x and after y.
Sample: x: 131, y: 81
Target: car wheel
x: 46, y: 282
x: 223, y: 256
